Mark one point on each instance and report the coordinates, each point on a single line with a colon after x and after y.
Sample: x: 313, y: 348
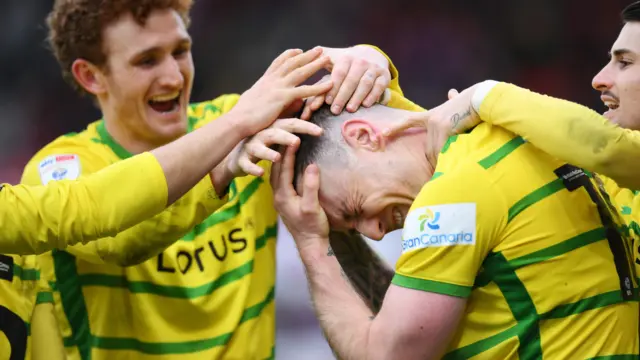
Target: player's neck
x: 422, y: 145
x: 130, y: 140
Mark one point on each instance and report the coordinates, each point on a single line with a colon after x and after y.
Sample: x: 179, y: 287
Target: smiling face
x: 146, y: 83
x: 619, y: 80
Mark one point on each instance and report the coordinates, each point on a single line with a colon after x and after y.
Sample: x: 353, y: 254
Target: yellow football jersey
x: 22, y: 288
x: 35, y: 219
x: 208, y: 295
x: 519, y: 235
x: 576, y: 134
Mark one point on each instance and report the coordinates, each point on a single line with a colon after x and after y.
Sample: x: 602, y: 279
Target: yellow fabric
x: 39, y: 218
x: 575, y: 134
x: 22, y: 287
x: 140, y: 241
x: 209, y: 295
x: 567, y: 131
x: 46, y: 341
x: 532, y: 260
x: 398, y: 101
x: 69, y: 212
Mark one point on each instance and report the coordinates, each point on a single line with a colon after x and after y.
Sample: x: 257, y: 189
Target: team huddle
x: 519, y: 211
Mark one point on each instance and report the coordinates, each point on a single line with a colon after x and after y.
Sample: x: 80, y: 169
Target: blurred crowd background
x: 549, y: 46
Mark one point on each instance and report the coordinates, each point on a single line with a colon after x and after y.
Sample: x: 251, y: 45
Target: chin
x: 169, y: 131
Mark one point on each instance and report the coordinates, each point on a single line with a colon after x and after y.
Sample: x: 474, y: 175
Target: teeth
x: 611, y: 105
x: 168, y: 97
x: 397, y: 218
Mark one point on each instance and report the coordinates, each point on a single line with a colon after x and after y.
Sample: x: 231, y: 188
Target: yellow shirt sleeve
x: 35, y: 219
x: 398, y: 101
x: 452, y: 226
x: 152, y: 236
x: 566, y: 130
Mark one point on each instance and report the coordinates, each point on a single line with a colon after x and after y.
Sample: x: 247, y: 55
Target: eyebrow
x: 619, y: 52
x: 181, y: 42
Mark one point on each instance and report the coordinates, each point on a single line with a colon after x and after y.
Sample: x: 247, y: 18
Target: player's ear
x: 362, y: 134
x: 89, y: 76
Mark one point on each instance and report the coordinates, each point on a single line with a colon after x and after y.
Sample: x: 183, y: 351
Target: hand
x: 302, y: 215
x: 453, y: 117
x: 360, y: 76
x: 244, y: 158
x: 279, y: 88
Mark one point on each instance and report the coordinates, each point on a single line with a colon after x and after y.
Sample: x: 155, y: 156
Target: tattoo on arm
x: 362, y: 267
x: 330, y: 251
x: 458, y: 117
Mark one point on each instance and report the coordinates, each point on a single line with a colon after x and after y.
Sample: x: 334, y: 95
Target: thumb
x: 452, y: 93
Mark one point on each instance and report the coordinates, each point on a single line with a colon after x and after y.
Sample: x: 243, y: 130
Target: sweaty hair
x: 330, y: 147
x: 631, y: 12
x: 76, y: 27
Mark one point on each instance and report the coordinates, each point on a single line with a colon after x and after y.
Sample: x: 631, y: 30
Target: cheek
x: 133, y: 84
x: 187, y: 69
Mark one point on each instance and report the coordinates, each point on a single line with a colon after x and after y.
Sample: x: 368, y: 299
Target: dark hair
x: 631, y: 12
x: 76, y: 27
x: 309, y: 149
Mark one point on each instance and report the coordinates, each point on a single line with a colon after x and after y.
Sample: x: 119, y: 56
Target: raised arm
x: 423, y: 306
x: 566, y: 130
x: 59, y: 214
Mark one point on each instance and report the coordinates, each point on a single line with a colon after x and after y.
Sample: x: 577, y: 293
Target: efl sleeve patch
x: 440, y: 225
x: 59, y: 167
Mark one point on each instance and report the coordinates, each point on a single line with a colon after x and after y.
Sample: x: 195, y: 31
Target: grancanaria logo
x: 430, y: 218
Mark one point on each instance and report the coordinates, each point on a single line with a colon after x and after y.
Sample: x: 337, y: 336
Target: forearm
x: 187, y: 160
x: 35, y: 219
x: 566, y: 130
x: 369, y: 275
x: 150, y: 237
x: 344, y: 317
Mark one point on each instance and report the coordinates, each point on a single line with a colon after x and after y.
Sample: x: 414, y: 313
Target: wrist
x: 479, y: 92
x: 315, y: 250
x: 221, y: 178
x: 241, y: 121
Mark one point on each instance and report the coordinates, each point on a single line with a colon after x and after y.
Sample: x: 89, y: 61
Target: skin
x: 362, y: 196
x: 619, y: 79
x: 154, y: 60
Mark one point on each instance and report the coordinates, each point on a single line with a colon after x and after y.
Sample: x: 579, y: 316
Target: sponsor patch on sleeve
x: 6, y: 267
x: 440, y: 225
x: 59, y: 167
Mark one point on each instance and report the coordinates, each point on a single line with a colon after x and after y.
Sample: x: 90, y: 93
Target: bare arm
x: 369, y: 275
x: 412, y: 324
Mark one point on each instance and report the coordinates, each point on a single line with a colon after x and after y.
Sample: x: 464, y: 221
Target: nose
x: 171, y: 75
x: 371, y: 228
x: 604, y: 79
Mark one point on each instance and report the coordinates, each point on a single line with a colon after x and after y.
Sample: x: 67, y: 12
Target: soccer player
x: 102, y: 204
x: 39, y: 218
x: 507, y: 252
x: 205, y: 287
x: 607, y: 144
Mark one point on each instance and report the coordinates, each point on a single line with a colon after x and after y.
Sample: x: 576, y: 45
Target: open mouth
x: 612, y: 106
x: 165, y: 103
